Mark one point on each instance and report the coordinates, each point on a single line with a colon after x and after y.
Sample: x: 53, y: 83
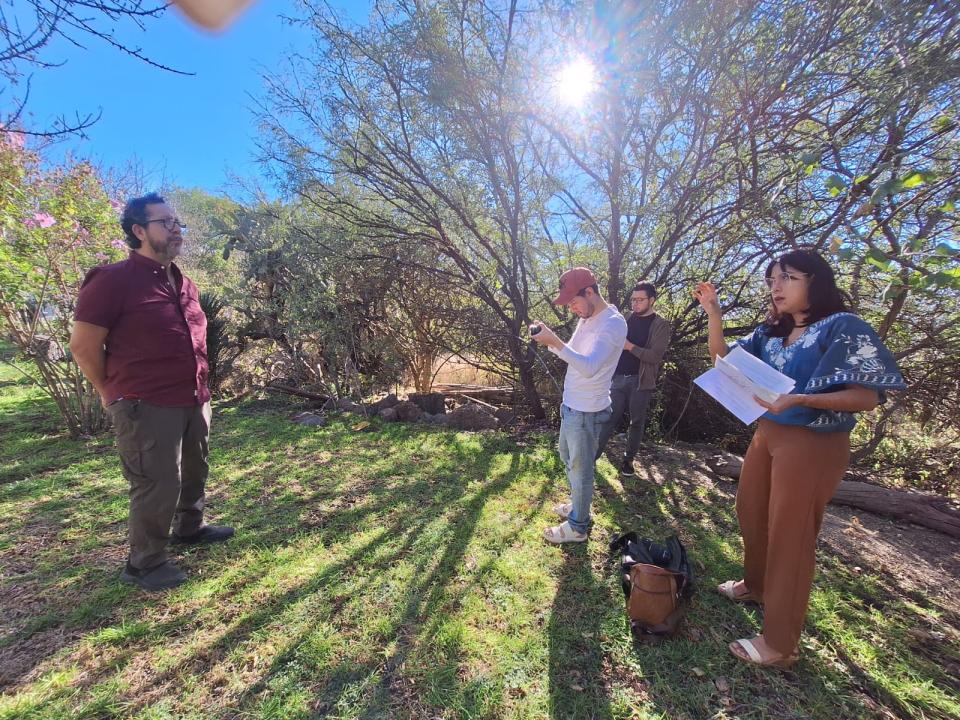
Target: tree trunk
x: 931, y: 511
x: 424, y: 380
x: 530, y: 391
x: 525, y: 368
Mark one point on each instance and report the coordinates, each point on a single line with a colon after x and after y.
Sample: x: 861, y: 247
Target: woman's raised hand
x: 706, y: 294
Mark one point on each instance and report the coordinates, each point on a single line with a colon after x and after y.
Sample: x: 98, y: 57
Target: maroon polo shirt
x: 157, y: 340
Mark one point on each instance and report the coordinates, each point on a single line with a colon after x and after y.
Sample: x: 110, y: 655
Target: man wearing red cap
x: 591, y: 356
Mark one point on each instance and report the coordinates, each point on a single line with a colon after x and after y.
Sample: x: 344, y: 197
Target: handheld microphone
x: 534, y: 329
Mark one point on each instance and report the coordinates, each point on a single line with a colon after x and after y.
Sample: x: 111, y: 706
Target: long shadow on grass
x: 703, y: 516
x: 658, y: 510
x: 34, y: 443
x: 416, y: 620
x: 405, y: 510
x: 906, y: 648
x: 101, y: 597
x: 578, y: 687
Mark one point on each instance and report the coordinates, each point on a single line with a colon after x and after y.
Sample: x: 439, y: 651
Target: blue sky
x: 193, y: 131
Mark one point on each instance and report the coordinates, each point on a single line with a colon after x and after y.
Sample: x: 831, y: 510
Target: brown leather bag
x: 657, y: 583
x: 654, y: 598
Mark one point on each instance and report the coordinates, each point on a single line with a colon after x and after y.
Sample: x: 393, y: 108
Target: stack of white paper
x: 736, y: 378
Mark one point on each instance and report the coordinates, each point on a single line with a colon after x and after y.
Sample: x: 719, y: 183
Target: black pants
x: 625, y: 396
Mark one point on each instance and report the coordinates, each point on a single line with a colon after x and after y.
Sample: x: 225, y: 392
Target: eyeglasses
x: 783, y: 278
x: 168, y: 223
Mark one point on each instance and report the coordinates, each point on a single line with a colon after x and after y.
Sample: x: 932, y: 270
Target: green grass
x: 399, y: 572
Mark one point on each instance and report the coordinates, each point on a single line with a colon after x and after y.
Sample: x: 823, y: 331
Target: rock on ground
x: 472, y: 417
x: 388, y: 414
x: 310, y: 418
x: 388, y: 402
x: 407, y: 411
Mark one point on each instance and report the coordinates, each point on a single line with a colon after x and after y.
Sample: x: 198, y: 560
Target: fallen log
x: 931, y: 511
x: 296, y: 391
x: 492, y: 394
x: 478, y: 401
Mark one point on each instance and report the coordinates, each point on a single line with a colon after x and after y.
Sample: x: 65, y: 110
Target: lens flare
x: 576, y: 81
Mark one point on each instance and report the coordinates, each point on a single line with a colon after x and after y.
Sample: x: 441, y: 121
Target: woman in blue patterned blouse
x: 801, y: 446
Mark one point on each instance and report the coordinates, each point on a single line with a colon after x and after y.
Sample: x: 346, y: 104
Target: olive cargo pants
x: 163, y: 451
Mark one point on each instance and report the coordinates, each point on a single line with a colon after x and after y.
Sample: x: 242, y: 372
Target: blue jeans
x: 579, y: 438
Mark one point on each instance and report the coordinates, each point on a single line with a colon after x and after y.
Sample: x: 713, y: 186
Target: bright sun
x: 576, y: 81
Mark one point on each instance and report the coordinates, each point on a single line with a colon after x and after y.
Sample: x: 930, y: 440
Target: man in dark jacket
x: 634, y: 380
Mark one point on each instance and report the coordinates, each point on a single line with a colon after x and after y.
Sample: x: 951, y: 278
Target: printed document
x: 736, y: 378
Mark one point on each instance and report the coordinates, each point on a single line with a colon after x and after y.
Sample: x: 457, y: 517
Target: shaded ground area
x: 920, y: 560
x: 917, y: 560
x: 398, y: 573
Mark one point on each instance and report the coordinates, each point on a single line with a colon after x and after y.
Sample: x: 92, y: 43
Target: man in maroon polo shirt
x: 140, y: 337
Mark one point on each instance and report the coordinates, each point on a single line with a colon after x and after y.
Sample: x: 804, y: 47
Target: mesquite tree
x: 411, y: 129
x: 715, y: 138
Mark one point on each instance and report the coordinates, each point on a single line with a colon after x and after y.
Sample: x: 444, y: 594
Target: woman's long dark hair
x: 824, y: 295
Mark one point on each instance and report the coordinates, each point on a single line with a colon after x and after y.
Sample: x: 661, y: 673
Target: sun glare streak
x: 575, y: 82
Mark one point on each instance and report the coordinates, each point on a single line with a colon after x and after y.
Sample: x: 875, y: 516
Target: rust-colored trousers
x: 789, y: 475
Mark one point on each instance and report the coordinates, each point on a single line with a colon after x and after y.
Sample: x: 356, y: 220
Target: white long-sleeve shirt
x: 591, y: 356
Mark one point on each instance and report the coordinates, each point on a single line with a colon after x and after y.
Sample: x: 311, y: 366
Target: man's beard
x: 164, y: 249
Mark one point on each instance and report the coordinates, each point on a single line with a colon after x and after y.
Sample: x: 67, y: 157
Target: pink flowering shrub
x: 54, y: 226
x: 40, y: 220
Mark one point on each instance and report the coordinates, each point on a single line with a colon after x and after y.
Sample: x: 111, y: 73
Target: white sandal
x: 727, y: 590
x: 563, y: 510
x: 563, y: 533
x: 755, y: 658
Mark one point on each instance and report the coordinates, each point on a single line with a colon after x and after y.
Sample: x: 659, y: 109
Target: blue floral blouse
x: 841, y: 349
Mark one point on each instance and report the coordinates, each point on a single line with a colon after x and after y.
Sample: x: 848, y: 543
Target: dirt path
x: 924, y: 561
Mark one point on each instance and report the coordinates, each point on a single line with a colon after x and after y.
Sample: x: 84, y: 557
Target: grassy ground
x: 399, y: 572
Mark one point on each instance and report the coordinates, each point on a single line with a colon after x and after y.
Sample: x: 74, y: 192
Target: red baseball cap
x: 572, y: 282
